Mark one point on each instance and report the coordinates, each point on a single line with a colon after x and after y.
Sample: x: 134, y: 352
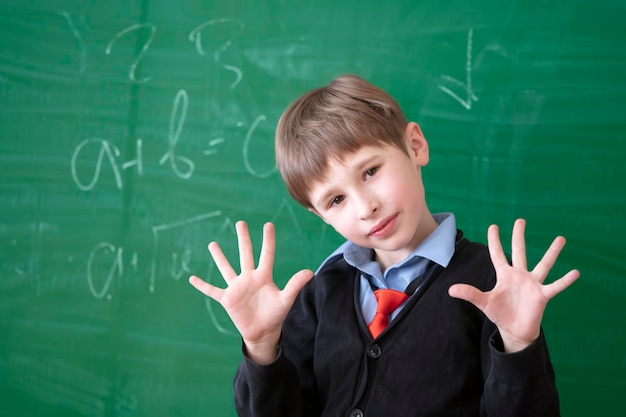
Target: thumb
x: 468, y: 293
x: 295, y: 284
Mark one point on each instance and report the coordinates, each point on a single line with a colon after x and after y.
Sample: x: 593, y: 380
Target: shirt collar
x: 437, y: 247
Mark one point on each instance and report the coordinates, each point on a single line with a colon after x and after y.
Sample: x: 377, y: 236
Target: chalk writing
x: 139, y: 160
x: 195, y: 36
x: 109, y: 153
x: 184, y: 264
x: 117, y: 266
x: 112, y: 257
x: 108, y: 150
x: 467, y: 85
x: 246, y: 145
x: 213, y: 142
x: 175, y: 128
x: 133, y: 68
x: 177, y: 272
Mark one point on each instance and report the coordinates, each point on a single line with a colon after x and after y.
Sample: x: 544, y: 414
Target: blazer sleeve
x: 286, y: 387
x: 519, y: 384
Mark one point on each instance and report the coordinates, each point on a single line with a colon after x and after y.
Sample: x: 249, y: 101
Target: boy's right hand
x: 254, y: 303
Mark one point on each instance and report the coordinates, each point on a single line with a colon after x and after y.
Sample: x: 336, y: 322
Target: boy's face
x: 375, y: 198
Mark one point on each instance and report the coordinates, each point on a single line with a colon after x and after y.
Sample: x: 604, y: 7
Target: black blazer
x: 439, y: 357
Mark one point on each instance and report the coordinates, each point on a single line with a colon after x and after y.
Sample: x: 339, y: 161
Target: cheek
x: 403, y: 192
x: 393, y: 191
x: 342, y: 223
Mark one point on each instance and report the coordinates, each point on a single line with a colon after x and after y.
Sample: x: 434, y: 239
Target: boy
x: 454, y: 341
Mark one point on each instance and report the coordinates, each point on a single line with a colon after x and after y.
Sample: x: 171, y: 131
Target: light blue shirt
x: 437, y: 247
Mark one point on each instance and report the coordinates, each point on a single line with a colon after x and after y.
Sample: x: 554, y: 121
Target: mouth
x: 383, y: 227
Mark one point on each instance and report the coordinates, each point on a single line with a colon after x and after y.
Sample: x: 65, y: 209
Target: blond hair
x: 332, y: 122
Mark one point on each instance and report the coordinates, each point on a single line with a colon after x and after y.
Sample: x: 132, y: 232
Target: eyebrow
x: 360, y: 165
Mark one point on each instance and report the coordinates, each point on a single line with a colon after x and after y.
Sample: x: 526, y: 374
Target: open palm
x: 256, y: 306
x: 518, y: 300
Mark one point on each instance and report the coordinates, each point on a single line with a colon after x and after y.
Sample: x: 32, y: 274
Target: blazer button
x: 356, y: 413
x: 374, y: 351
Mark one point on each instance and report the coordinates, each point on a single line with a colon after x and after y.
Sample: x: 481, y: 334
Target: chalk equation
x: 159, y: 257
x: 170, y: 253
x: 183, y: 167
x: 179, y: 265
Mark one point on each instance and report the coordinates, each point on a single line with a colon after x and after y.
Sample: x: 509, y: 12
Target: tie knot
x: 389, y: 300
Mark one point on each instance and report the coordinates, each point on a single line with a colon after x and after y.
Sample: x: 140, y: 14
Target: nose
x: 367, y: 204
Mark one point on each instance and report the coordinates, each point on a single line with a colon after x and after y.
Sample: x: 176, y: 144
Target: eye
x: 370, y: 173
x: 335, y: 201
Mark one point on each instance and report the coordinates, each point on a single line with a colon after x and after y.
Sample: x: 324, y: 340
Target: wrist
x: 512, y: 344
x: 262, y: 352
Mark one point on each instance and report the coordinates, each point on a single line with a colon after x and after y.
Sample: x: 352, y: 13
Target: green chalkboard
x: 134, y: 132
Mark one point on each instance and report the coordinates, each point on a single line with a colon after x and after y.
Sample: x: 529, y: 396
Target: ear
x: 416, y: 144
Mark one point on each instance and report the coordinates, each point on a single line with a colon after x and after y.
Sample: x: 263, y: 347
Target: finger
x: 518, y: 244
x: 206, y: 288
x: 222, y: 263
x: 549, y: 258
x: 268, y: 250
x: 495, y: 247
x: 561, y: 284
x: 295, y: 284
x: 246, y: 256
x: 469, y: 293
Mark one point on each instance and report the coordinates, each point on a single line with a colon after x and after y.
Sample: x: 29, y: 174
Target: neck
x: 425, y: 228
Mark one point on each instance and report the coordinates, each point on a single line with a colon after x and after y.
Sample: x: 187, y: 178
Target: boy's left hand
x: 517, y: 301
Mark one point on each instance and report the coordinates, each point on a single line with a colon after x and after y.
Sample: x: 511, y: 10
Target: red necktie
x: 388, y: 301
